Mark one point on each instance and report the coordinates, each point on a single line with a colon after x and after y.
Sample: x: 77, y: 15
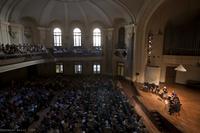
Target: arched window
x: 57, y: 36
x: 77, y: 37
x: 96, y: 37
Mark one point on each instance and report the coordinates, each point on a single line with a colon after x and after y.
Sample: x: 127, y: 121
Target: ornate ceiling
x: 67, y: 11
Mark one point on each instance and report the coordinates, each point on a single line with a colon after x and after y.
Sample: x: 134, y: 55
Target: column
x: 129, y: 41
x: 108, y: 54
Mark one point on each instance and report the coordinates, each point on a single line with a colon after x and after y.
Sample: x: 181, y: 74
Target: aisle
x: 127, y: 89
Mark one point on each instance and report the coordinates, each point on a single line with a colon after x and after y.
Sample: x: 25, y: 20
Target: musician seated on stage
x: 174, y: 104
x: 151, y: 87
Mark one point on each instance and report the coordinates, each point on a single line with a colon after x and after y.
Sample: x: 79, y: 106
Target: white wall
x: 156, y: 25
x: 189, y: 62
x: 4, y: 33
x: 152, y: 75
x: 193, y: 73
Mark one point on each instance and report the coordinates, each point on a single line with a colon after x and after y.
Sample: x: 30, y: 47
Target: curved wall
x: 177, y: 11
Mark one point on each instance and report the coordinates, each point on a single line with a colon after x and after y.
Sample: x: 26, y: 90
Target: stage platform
x: 189, y: 119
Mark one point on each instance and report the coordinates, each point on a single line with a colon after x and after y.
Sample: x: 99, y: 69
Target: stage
x: 189, y: 118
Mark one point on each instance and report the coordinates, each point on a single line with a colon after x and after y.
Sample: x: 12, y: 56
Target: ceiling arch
x: 86, y: 11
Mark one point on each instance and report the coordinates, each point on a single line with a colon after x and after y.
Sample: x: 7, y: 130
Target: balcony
x: 121, y: 53
x: 76, y: 52
x: 182, y: 51
x: 12, y: 54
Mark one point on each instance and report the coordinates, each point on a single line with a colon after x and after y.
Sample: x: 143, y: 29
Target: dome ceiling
x: 67, y: 11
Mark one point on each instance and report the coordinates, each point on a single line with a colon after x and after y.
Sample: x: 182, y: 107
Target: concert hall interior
x: 100, y: 66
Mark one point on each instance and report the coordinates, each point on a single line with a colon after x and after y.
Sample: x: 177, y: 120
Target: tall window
x: 57, y: 36
x: 96, y: 37
x: 77, y: 69
x: 96, y: 68
x: 77, y: 37
x: 59, y: 68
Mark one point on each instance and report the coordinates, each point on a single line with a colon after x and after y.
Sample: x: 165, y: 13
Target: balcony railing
x: 11, y: 54
x: 185, y: 52
x: 75, y: 52
x: 10, y: 51
x: 122, y: 53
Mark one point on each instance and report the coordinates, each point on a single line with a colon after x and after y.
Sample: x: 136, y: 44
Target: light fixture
x: 180, y: 68
x: 149, y: 47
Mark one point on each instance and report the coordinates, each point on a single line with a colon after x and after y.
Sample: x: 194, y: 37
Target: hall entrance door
x: 120, y: 69
x: 170, y: 76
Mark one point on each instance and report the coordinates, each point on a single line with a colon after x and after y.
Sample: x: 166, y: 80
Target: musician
x: 164, y: 93
x: 174, y: 103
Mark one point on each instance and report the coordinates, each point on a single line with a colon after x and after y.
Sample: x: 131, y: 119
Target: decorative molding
x: 122, y: 53
x: 11, y: 33
x: 129, y: 30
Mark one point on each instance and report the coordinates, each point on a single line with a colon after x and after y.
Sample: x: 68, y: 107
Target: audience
x: 13, y: 50
x: 91, y: 105
x: 60, y: 51
x: 20, y: 102
x: 17, y: 50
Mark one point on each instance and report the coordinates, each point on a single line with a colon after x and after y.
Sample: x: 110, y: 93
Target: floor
x: 189, y: 119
